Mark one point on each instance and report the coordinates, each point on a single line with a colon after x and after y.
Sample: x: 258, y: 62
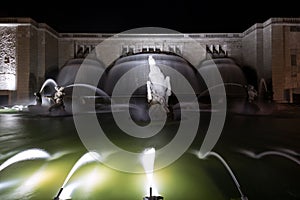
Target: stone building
x: 31, y: 52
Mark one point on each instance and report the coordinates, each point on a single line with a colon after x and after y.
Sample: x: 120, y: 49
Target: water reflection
x: 42, y: 178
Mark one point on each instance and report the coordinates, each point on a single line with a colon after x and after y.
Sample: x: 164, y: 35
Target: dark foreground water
x: 268, y: 177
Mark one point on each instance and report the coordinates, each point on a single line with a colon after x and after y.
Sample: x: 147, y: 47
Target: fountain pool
x: 187, y: 178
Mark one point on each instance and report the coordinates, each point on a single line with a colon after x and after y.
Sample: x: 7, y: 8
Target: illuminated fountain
x: 205, y: 92
x: 147, y: 160
x: 112, y: 77
x: 289, y: 151
x: 101, y: 99
x: 272, y: 153
x: 241, y: 95
x: 129, y: 79
x: 48, y: 82
x: 232, y: 75
x: 220, y: 158
x: 97, y: 90
x: 43, y: 97
x: 85, y: 159
x: 30, y: 154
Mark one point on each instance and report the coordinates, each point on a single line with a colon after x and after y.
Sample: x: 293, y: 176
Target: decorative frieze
x: 8, y: 66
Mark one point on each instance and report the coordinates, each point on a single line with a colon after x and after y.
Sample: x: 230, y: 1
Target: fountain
x: 289, y: 151
x: 269, y: 153
x: 102, y: 100
x: 205, y: 92
x: 143, y: 95
x: 231, y: 74
x: 127, y: 79
x: 147, y: 159
x: 265, y: 94
x: 43, y: 100
x: 85, y: 159
x: 238, y: 91
x: 47, y: 83
x: 29, y: 154
x: 97, y: 90
x: 65, y: 78
x: 220, y: 158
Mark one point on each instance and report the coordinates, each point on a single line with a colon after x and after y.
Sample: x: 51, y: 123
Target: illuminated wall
x: 8, y: 65
x: 30, y: 52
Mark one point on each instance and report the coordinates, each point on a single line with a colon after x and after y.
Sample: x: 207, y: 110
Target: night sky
x: 116, y: 16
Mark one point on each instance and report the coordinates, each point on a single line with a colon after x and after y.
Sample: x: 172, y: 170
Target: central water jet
x: 147, y: 160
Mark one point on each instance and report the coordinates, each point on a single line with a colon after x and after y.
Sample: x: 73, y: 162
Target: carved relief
x: 8, y: 58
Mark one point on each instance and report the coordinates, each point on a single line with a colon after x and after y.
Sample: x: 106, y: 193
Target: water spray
x: 29, y: 154
x: 219, y: 157
x: 147, y: 159
x: 47, y: 82
x: 272, y: 153
x: 86, y: 158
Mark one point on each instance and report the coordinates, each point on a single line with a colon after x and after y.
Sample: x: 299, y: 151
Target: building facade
x: 31, y: 52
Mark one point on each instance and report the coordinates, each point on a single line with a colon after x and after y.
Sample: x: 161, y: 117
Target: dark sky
x: 112, y: 16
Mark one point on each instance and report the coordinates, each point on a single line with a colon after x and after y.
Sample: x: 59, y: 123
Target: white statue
x: 158, y: 86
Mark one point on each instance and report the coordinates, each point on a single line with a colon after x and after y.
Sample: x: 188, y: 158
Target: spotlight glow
x: 148, y: 159
x: 27, y: 189
x: 8, y: 184
x: 91, y: 180
x: 86, y: 158
x: 88, y: 183
x: 32, y: 182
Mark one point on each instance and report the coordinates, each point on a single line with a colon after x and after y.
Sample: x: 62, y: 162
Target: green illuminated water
x: 188, y: 178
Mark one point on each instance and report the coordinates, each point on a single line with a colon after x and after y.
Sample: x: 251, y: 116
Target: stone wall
x: 182, y: 44
x: 267, y: 56
x: 51, y: 52
x: 278, y: 62
x: 250, y: 55
x: 266, y: 47
x: 33, y: 63
x: 41, y: 58
x: 23, y: 63
x: 291, y: 48
x: 65, y: 51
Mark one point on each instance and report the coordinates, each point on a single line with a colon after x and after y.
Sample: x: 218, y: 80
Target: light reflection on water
x: 202, y: 179
x: 19, y: 132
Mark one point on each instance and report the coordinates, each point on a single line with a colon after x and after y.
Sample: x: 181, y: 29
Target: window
x: 172, y: 49
x: 6, y: 59
x: 178, y: 50
x: 3, y: 99
x: 124, y: 50
x: 294, y: 60
x: 294, y: 28
x: 294, y: 65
